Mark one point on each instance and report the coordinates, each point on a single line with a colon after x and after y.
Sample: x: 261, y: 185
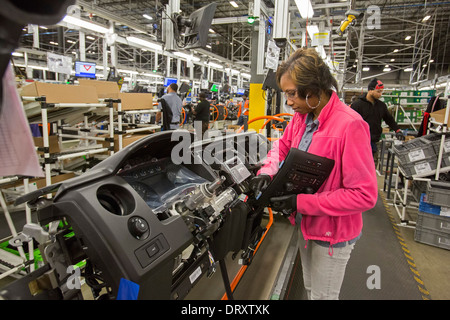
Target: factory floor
x: 409, y: 270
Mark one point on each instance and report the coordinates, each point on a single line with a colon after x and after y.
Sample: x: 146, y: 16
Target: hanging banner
x: 59, y: 63
x: 321, y: 39
x: 272, y: 55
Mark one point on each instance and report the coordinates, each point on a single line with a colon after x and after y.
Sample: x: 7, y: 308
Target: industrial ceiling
x: 392, y: 41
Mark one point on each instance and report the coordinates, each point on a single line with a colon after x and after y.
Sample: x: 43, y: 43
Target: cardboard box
x: 15, y: 189
x: 61, y: 93
x: 136, y: 101
x: 52, y: 141
x: 127, y: 139
x: 439, y: 116
x: 105, y: 89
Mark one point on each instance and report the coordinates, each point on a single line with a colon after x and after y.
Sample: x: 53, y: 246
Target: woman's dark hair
x: 309, y: 72
x: 202, y: 96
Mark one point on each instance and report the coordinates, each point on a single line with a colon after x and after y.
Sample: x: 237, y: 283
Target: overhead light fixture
x: 431, y: 61
x: 392, y: 60
x: 246, y: 75
x: 53, y: 42
x: 305, y: 8
x: 17, y: 54
x: 234, y: 4
x: 386, y: 69
x: 426, y: 18
x: 144, y: 43
x: 85, y: 24
x: 407, y: 38
x: 146, y: 16
x: 408, y: 69
x: 90, y: 37
x: 395, y: 50
x: 366, y: 69
x: 211, y: 30
x: 215, y: 65
x: 186, y: 56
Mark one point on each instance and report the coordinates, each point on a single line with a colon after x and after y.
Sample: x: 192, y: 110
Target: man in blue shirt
x: 174, y: 103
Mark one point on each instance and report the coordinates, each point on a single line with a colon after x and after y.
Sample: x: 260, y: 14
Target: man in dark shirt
x: 373, y: 111
x: 202, y: 113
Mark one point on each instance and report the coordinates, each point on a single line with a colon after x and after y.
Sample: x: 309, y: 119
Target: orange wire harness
x: 242, y: 270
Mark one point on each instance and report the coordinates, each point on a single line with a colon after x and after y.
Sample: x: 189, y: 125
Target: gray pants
x: 323, y: 268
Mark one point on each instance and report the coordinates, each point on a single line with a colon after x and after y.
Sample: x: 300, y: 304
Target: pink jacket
x: 334, y: 213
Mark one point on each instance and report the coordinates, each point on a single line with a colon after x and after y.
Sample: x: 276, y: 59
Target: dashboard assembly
x: 159, y: 214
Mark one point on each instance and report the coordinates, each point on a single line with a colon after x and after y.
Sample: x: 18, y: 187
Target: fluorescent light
x: 407, y: 38
x: 234, y: 4
x: 246, y: 75
x: 395, y: 50
x: 17, y: 54
x: 211, y: 30
x: 312, y: 29
x: 54, y: 43
x: 305, y: 8
x: 90, y: 37
x: 431, y: 60
x: 366, y: 69
x: 186, y: 56
x: 386, y: 69
x: 85, y: 24
x: 426, y: 18
x: 408, y: 69
x: 215, y: 65
x: 392, y: 60
x: 144, y: 43
x: 146, y: 16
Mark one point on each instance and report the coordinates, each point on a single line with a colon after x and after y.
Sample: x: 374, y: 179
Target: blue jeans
x: 323, y: 268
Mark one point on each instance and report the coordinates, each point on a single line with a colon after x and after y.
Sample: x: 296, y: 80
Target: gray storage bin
x: 438, y: 193
x: 414, y: 150
x: 433, y: 222
x: 445, y: 160
x: 422, y: 168
x: 432, y: 238
x: 435, y: 140
x: 418, y: 187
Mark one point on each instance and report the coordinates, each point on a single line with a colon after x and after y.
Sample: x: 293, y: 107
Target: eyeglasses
x: 291, y: 94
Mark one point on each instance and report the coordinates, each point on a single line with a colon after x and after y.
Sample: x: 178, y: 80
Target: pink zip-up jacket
x: 334, y: 213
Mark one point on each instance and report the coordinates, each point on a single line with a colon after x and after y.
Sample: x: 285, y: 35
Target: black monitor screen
x: 184, y: 88
x: 196, y: 35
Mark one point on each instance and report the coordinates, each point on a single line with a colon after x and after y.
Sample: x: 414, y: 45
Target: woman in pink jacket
x: 330, y: 220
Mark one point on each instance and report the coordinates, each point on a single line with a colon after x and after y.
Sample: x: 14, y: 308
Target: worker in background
x: 202, y: 114
x: 175, y: 105
x: 373, y: 111
x: 329, y: 222
x: 243, y: 110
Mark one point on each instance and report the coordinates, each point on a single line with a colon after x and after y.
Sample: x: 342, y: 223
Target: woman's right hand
x: 259, y: 183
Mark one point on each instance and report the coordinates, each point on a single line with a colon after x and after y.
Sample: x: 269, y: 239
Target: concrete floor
x: 432, y: 263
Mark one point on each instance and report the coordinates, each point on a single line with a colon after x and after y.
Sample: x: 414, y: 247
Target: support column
x: 257, y: 104
x: 82, y: 45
